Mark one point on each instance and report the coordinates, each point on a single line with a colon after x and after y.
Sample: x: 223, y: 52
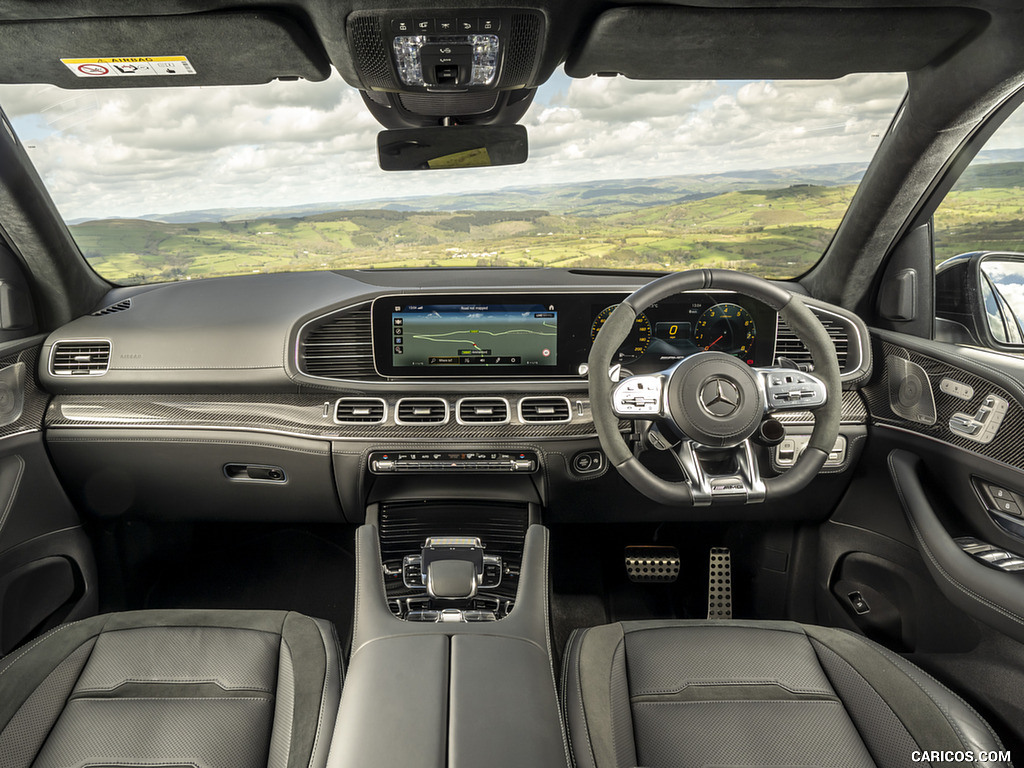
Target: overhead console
x: 471, y: 65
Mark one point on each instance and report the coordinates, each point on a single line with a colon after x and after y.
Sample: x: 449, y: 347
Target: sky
x: 123, y: 153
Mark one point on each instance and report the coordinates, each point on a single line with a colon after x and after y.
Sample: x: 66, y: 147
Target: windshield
x: 184, y: 183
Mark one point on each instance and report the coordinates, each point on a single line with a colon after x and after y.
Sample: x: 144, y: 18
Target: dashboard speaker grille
x: 121, y: 306
x: 544, y: 410
x: 360, y: 410
x: 421, y: 410
x: 370, y: 54
x: 521, y: 55
x: 788, y: 345
x: 483, y: 410
x: 80, y: 358
x: 339, y: 347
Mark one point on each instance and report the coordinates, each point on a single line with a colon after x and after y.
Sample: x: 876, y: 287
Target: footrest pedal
x: 720, y: 584
x: 652, y: 563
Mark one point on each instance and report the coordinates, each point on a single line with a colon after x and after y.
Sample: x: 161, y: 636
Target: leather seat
x: 203, y: 689
x: 735, y: 693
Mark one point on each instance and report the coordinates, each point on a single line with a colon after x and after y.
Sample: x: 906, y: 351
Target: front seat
x: 202, y: 689
x: 738, y: 693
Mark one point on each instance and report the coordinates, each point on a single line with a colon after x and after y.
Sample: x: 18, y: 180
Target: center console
x: 452, y: 561
x: 452, y: 639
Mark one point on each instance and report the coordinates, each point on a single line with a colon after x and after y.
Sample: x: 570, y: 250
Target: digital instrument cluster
x: 677, y: 328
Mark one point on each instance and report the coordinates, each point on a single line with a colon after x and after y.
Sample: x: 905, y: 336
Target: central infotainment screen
x: 473, y: 335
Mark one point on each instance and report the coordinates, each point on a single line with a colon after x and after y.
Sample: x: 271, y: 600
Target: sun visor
x: 146, y: 51
x: 659, y: 42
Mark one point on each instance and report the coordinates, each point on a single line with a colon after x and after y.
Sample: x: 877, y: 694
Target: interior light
x: 410, y: 65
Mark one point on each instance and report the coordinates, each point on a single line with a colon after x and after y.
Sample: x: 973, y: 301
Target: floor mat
x: 285, y: 570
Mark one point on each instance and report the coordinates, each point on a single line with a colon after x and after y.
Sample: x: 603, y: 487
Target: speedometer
x: 726, y: 328
x: 636, y: 342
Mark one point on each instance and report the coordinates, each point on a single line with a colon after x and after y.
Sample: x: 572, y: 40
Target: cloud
x: 123, y: 152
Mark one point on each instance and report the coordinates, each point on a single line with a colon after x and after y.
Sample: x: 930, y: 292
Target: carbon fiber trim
x: 35, y: 399
x: 311, y: 415
x: 854, y: 411
x: 1008, y: 444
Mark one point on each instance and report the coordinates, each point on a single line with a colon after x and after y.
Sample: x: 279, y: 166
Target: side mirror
x: 979, y: 299
x: 462, y: 146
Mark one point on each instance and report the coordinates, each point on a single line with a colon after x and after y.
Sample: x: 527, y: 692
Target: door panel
x: 917, y: 489
x: 47, y: 570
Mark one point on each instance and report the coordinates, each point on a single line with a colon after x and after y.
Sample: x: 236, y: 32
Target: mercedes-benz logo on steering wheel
x: 720, y: 397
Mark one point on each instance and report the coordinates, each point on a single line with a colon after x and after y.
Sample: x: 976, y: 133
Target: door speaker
x: 12, y: 393
x: 910, y: 391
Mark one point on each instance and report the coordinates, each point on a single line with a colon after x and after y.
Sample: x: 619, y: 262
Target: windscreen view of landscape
x: 755, y: 223
x: 184, y: 183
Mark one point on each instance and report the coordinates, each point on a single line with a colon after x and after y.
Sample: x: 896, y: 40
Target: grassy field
x: 777, y: 233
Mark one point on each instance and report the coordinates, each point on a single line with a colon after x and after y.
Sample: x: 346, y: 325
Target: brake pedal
x: 720, y: 584
x: 650, y: 563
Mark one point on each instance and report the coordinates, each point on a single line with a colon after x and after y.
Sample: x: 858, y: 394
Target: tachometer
x: 635, y: 344
x: 726, y: 328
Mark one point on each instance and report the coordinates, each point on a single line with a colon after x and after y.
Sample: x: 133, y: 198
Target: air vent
x: 540, y: 410
x: 339, y: 347
x: 80, y: 358
x: 482, y: 410
x: 788, y: 345
x: 360, y: 410
x: 121, y: 306
x: 421, y: 410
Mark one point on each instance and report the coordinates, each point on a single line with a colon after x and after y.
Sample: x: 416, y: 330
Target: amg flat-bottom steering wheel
x: 713, y: 403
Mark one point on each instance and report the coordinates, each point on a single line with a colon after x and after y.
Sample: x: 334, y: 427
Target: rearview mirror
x: 981, y: 297
x: 462, y: 146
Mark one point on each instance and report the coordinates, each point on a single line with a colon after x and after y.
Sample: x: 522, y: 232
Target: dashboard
x: 310, y: 395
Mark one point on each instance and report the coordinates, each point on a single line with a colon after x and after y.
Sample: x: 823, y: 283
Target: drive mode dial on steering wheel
x: 714, y: 402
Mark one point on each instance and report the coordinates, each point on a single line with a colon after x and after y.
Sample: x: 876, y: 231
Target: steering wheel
x: 713, y: 402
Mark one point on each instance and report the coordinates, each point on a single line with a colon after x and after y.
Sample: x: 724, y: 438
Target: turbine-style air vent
x: 483, y: 410
x: 788, y: 345
x: 360, y: 410
x: 339, y: 347
x: 121, y: 306
x: 421, y: 410
x: 80, y: 358
x: 544, y: 410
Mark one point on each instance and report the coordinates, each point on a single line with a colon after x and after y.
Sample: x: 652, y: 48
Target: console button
x: 445, y: 26
x: 467, y: 25
x: 424, y: 26
x: 489, y: 24
x: 401, y: 26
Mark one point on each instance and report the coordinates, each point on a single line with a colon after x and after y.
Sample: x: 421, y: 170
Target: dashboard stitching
x: 62, y: 439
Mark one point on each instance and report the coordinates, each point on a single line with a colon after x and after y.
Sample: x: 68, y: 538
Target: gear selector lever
x: 452, y: 566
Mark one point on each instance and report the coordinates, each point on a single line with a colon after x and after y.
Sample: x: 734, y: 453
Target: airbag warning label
x: 130, y: 66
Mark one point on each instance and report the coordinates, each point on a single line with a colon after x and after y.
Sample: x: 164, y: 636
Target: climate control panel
x: 391, y: 462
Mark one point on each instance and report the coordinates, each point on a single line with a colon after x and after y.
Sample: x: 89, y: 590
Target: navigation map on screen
x: 436, y: 335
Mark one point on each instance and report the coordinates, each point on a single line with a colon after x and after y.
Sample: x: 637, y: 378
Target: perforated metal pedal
x: 720, y: 584
x: 647, y: 563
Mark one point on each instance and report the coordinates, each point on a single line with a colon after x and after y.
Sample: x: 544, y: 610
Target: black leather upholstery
x: 736, y: 693
x: 205, y: 689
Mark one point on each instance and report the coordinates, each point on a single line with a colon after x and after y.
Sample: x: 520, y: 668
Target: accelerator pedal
x: 720, y: 584
x: 652, y: 563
